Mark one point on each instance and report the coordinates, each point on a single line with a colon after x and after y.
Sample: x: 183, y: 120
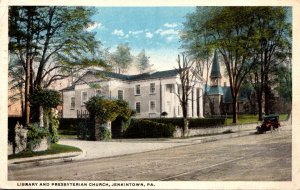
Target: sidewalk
x: 116, y: 147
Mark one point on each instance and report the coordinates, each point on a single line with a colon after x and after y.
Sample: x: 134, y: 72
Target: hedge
x: 69, y: 123
x: 206, y: 122
x: 148, y: 129
x: 174, y: 121
x: 193, y: 122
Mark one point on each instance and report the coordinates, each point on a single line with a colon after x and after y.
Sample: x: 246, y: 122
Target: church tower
x: 215, y: 74
x: 215, y: 91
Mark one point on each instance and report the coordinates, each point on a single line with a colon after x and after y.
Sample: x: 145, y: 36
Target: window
x: 72, y: 103
x: 152, y: 88
x: 97, y: 92
x: 138, y: 107
x: 120, y: 94
x: 152, y: 106
x: 84, y: 97
x: 138, y: 89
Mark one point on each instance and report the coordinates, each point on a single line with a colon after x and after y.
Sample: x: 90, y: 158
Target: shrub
x: 35, y: 135
x: 53, y: 126
x: 86, y: 130
x: 149, y: 129
x: 193, y: 122
x: 104, y: 110
x: 174, y: 121
x: 164, y: 114
x: 119, y: 125
x: 104, y: 133
x: 69, y: 124
x: 205, y: 122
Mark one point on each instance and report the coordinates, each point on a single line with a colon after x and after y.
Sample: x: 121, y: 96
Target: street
x: 265, y: 157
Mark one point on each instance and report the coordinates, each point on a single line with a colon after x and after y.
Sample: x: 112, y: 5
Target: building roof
x: 215, y: 70
x: 213, y: 90
x: 226, y: 92
x: 69, y: 88
x: 143, y: 76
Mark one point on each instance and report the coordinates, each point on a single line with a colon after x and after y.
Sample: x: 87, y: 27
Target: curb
x: 37, y: 161
x: 75, y: 156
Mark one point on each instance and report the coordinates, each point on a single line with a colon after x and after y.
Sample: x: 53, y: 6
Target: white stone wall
x: 67, y: 111
x: 165, y: 99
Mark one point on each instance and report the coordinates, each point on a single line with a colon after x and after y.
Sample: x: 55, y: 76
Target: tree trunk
x: 267, y: 94
x: 234, y: 110
x: 185, y: 127
x: 185, y: 120
x: 41, y: 116
x: 27, y: 90
x: 259, y: 101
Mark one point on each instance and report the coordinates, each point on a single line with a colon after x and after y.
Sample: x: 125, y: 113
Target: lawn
x: 245, y: 119
x: 53, y: 149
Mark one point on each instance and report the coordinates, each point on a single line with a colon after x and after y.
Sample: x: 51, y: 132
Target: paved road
x: 264, y: 157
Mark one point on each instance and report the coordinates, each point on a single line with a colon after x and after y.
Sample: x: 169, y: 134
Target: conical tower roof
x: 215, y: 70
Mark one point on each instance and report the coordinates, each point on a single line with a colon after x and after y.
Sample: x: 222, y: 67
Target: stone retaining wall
x: 216, y: 129
x: 221, y: 129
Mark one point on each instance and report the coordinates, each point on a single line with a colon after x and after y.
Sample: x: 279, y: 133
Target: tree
x: 122, y: 58
x: 51, y: 43
x: 143, y: 62
x: 196, y: 44
x: 235, y: 39
x: 47, y: 100
x: 185, y: 87
x: 273, y: 48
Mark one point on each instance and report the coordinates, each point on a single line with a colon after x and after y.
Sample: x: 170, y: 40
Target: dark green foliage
x: 148, y: 129
x: 174, y: 121
x: 104, y: 110
x: 35, y: 135
x: 119, y: 125
x: 46, y: 98
x: 193, y: 122
x: 83, y: 131
x: 69, y: 124
x: 53, y: 126
x: 104, y: 133
x: 53, y: 34
x: 108, y: 109
x: 205, y: 122
x: 164, y: 114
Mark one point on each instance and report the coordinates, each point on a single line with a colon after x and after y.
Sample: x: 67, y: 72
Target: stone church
x: 218, y: 99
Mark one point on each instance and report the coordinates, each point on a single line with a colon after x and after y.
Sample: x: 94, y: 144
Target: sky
x: 155, y: 29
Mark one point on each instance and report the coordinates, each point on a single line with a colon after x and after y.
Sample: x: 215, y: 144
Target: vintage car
x: 270, y: 123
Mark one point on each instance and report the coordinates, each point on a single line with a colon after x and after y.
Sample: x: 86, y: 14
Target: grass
x: 53, y: 149
x: 246, y: 119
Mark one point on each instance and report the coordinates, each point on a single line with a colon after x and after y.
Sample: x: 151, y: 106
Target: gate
x: 86, y: 129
